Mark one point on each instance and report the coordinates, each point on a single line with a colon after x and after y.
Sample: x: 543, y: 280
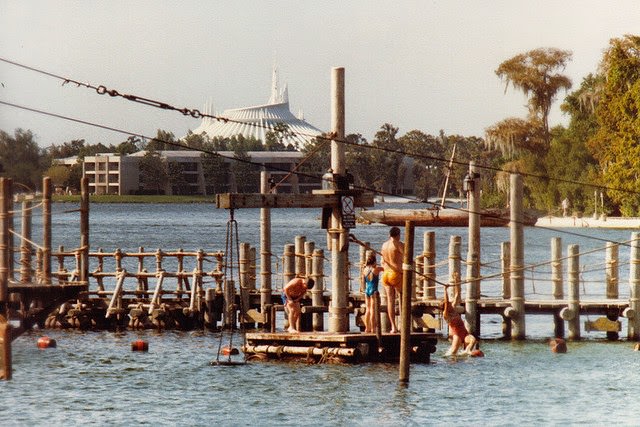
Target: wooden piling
x: 405, y: 310
x: 265, y: 248
x: 633, y: 332
x: 46, y: 230
x: 25, y: 246
x: 317, y: 274
x: 5, y: 184
x: 454, y: 261
x: 472, y: 315
x: 557, y: 283
x: 10, y: 237
x: 429, y: 265
x: 288, y: 263
x: 245, y: 272
x: 573, y: 291
x: 517, y: 312
x: 612, y: 270
x: 84, y: 230
x: 505, y: 259
x: 300, y: 264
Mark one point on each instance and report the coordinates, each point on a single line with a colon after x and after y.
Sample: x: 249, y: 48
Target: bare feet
x: 292, y: 331
x: 394, y: 331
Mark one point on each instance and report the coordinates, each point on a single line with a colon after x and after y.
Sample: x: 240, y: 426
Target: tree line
x: 594, y: 161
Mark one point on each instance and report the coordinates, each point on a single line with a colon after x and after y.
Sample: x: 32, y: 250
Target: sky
x: 425, y: 65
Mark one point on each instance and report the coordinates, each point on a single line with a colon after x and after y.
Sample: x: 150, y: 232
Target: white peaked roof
x: 258, y: 120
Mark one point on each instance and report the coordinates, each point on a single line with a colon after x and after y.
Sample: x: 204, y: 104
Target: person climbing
x: 460, y: 336
x: 292, y: 293
x: 371, y: 274
x: 392, y: 256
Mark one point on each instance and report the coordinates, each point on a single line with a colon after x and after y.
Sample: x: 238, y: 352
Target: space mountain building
x: 258, y: 121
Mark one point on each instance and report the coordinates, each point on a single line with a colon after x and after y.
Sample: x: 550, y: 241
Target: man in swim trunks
x: 392, y: 257
x: 460, y: 337
x: 292, y: 293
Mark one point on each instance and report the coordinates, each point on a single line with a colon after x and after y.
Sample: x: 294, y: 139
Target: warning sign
x: 348, y: 212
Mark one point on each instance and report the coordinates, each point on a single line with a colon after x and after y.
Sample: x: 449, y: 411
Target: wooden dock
x: 322, y: 347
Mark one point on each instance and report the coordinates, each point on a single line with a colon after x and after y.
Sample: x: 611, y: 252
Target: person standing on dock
x: 460, y: 336
x: 292, y: 293
x: 371, y: 274
x: 392, y: 256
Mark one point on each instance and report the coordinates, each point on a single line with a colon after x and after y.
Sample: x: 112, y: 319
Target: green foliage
x: 154, y: 173
x: 616, y: 144
x: 21, y: 159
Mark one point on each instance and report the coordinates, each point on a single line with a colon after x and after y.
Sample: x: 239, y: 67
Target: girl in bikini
x: 371, y: 274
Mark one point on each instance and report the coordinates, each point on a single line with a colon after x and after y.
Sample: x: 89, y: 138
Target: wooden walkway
x: 343, y: 347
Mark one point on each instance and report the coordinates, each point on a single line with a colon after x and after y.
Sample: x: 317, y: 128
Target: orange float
x: 229, y: 351
x: 139, y: 345
x: 46, y: 342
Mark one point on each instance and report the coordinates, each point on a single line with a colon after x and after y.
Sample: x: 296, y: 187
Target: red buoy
x: 476, y: 353
x: 46, y: 342
x: 139, y: 345
x: 229, y: 351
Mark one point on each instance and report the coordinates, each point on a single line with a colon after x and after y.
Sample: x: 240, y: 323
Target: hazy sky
x: 426, y: 65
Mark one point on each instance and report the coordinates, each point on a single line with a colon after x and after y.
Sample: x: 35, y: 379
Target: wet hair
x: 394, y: 232
x: 371, y: 259
x: 310, y: 283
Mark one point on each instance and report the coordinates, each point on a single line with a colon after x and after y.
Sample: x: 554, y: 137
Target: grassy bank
x: 110, y: 198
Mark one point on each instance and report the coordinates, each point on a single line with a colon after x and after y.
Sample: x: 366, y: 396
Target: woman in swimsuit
x: 371, y: 274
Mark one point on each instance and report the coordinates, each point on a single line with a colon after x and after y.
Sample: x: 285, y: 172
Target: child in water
x: 371, y: 273
x: 460, y: 337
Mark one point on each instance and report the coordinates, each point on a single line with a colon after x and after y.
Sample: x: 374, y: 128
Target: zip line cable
x: 275, y: 168
x: 195, y: 113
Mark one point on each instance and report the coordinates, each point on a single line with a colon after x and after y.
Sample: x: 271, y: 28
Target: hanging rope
x: 232, y: 251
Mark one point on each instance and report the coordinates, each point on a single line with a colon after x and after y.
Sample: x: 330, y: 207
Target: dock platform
x: 350, y: 347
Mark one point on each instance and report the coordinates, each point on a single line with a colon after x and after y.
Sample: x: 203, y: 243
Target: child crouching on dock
x: 371, y: 274
x: 460, y: 337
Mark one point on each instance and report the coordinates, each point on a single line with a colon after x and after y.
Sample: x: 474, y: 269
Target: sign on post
x: 348, y: 212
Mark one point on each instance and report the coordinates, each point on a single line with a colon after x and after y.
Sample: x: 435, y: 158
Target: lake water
x: 94, y: 378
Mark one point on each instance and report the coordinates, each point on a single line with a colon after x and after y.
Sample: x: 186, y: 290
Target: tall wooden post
x: 317, y: 275
x: 300, y: 264
x: 338, y: 313
x: 25, y: 246
x: 573, y: 294
x: 5, y: 192
x: 634, y: 287
x: 429, y: 265
x: 84, y: 229
x: 454, y: 260
x: 612, y: 270
x: 265, y: 247
x: 405, y: 307
x: 517, y: 258
x: 505, y: 258
x: 46, y: 230
x: 289, y: 263
x: 5, y: 327
x: 557, y: 283
x: 11, y: 239
x: 472, y: 315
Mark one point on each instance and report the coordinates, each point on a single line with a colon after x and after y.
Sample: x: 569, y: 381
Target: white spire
x: 275, y: 91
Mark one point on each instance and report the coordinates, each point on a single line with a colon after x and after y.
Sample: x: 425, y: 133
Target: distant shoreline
x: 112, y: 198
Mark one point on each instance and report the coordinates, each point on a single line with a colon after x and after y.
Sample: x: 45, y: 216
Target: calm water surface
x: 93, y: 377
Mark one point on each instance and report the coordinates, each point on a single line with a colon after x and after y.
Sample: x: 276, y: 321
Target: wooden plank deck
x: 352, y: 346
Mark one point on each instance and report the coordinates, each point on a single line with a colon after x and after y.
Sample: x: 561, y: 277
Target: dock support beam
x: 557, y: 283
x: 472, y: 314
x: 5, y: 327
x: 265, y: 248
x: 517, y: 259
x: 634, y: 287
x: 573, y: 294
x: 429, y: 266
x: 46, y: 230
x: 405, y: 306
x: 84, y: 230
x: 338, y: 312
